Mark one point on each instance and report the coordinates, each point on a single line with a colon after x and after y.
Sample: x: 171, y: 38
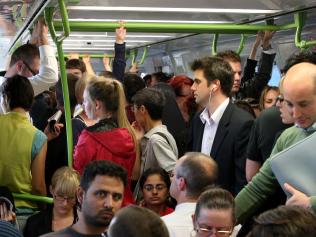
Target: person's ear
x: 181, y: 183
x: 19, y: 66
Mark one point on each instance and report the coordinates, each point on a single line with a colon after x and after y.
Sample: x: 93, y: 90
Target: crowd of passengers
x: 153, y: 156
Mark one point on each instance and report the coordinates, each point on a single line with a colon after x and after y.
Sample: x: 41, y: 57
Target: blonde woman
x: 62, y: 214
x: 112, y: 137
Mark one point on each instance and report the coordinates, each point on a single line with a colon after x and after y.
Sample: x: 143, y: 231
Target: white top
x: 211, y: 124
x: 48, y: 72
x: 179, y: 222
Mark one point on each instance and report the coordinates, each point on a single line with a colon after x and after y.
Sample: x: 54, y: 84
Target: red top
x: 167, y: 210
x: 116, y: 145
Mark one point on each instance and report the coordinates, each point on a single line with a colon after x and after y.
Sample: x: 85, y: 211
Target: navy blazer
x: 229, y: 146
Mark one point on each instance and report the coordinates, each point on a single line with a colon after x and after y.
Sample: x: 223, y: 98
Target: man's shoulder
x: 67, y: 232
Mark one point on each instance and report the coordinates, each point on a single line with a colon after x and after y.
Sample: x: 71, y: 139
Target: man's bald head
x: 299, y: 87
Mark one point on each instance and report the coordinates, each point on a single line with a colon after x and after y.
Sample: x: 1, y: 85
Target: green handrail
x: 142, y: 60
x: 82, y: 26
x: 34, y: 198
x: 59, y: 41
x: 300, y: 21
x: 238, y: 51
x: 214, y: 44
x: 133, y: 55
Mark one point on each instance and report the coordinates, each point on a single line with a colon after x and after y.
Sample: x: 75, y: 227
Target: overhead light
x: 113, y: 36
x: 86, y: 48
x: 103, y: 40
x: 147, y: 21
x: 173, y: 9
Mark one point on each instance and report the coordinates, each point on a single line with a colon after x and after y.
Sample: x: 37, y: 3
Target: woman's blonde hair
x: 65, y: 181
x: 111, y: 93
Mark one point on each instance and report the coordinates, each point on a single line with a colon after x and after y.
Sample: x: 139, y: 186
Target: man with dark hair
x: 158, y: 146
x: 76, y: 67
x: 35, y: 60
x: 285, y: 221
x: 251, y: 84
x: 100, y: 196
x: 193, y: 173
x: 145, y: 223
x: 132, y: 83
x: 222, y: 129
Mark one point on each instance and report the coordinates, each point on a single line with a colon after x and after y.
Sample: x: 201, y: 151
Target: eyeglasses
x: 207, y: 231
x: 29, y: 68
x: 158, y: 187
x: 63, y: 198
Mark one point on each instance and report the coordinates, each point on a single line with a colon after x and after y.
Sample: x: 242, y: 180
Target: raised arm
x: 119, y: 62
x: 48, y: 72
x: 254, y: 87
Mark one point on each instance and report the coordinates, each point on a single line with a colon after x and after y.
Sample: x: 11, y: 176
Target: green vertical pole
x: 62, y: 67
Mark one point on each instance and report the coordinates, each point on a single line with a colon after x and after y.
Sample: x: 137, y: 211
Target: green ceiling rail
x: 241, y: 46
x: 49, y: 12
x: 300, y: 18
x: 146, y: 27
x: 34, y: 198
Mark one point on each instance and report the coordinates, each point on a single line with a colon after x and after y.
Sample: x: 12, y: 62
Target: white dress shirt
x: 179, y: 222
x: 211, y: 124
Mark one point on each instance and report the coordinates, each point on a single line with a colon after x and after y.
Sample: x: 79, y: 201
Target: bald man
x: 299, y: 88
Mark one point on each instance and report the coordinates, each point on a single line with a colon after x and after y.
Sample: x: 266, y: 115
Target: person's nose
x: 108, y: 202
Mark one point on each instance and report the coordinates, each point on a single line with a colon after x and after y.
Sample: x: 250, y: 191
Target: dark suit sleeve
x: 240, y: 157
x: 249, y: 70
x: 119, y: 62
x: 254, y: 87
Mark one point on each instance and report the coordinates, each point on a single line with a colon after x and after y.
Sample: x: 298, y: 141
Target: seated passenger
x: 22, y: 147
x: 145, y: 223
x: 112, y: 137
x: 268, y: 97
x: 159, y: 149
x: 62, y: 213
x: 155, y: 184
x: 214, y: 214
x: 287, y: 221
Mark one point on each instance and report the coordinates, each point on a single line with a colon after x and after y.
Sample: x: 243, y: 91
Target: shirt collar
x: 217, y: 115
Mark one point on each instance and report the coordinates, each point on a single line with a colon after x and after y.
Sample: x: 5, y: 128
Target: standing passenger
x: 158, y: 146
x: 22, y: 146
x: 222, y: 129
x: 36, y: 61
x: 112, y: 137
x: 99, y: 196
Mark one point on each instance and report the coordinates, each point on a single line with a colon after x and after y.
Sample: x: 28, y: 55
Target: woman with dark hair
x: 155, y: 184
x: 112, y: 137
x: 22, y: 147
x: 214, y: 214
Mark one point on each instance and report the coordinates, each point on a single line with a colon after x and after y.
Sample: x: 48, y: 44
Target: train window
x: 276, y: 76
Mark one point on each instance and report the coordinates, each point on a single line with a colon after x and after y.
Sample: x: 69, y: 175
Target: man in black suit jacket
x: 222, y: 129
